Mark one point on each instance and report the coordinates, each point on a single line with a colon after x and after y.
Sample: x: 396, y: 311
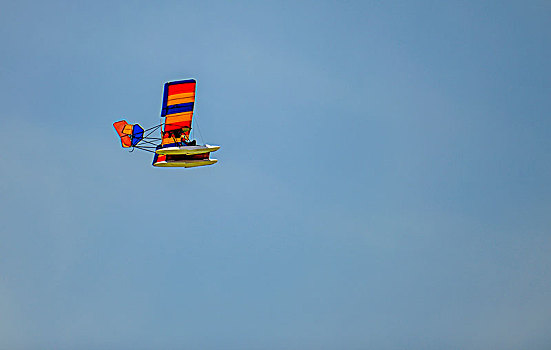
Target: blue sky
x: 383, y: 181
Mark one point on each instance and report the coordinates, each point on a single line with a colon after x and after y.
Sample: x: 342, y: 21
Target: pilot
x: 184, y: 140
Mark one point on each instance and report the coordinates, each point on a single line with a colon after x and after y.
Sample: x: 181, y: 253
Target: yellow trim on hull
x: 188, y: 163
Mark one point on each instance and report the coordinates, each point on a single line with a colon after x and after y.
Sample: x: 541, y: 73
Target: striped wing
x: 178, y: 100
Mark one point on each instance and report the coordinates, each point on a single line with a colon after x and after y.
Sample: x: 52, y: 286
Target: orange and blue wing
x: 130, y: 134
x: 178, y: 101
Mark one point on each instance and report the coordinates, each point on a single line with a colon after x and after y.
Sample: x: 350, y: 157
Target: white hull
x: 187, y: 163
x: 187, y: 150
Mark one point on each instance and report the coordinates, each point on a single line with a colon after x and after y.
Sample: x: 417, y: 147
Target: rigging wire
x: 199, y: 129
x: 142, y: 148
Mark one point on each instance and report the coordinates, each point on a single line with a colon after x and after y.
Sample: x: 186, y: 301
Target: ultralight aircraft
x: 173, y: 148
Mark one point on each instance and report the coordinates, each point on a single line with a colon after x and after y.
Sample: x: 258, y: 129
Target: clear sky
x: 384, y: 180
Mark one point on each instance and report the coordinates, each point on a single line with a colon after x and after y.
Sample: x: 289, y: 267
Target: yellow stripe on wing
x: 179, y: 117
x: 176, y: 99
